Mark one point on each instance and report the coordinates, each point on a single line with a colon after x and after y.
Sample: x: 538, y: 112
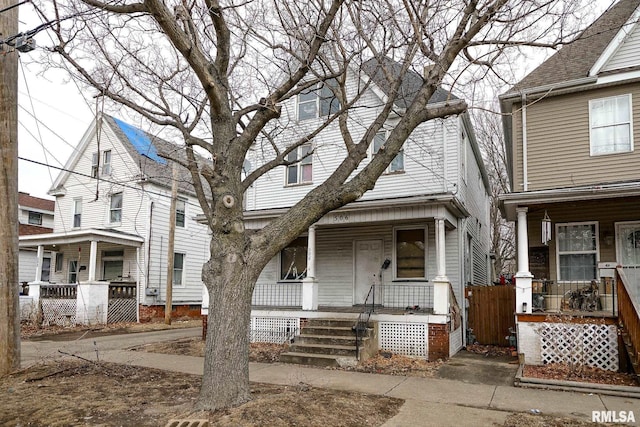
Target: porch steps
x: 630, y: 351
x: 324, y: 342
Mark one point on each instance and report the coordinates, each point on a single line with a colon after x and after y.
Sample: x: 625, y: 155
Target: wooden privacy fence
x: 491, y: 313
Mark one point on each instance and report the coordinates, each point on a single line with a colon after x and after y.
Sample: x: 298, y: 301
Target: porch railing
x: 277, y: 295
x: 575, y: 296
x: 362, y: 323
x: 629, y: 307
x: 407, y: 296
x: 58, y: 291
x: 122, y: 291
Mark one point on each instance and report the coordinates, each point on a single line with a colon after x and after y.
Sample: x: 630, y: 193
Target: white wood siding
x: 627, y: 53
x: 27, y: 261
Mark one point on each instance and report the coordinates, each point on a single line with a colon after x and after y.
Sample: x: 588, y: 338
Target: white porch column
x: 39, y: 263
x: 441, y: 281
x: 523, y: 276
x: 93, y: 256
x: 309, y: 285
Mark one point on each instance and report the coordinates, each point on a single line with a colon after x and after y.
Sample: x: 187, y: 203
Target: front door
x: 628, y: 244
x: 367, y: 268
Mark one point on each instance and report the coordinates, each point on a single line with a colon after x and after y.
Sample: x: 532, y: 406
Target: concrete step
x: 325, y: 340
x: 329, y: 330
x: 340, y: 323
x: 323, y: 360
x: 333, y: 350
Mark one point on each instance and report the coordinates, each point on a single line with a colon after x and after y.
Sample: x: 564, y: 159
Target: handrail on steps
x: 362, y: 324
x: 629, y: 311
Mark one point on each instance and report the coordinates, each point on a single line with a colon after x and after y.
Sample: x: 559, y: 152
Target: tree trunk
x: 9, y: 300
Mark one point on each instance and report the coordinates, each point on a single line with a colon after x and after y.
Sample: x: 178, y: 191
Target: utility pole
x: 9, y: 299
x: 168, y: 305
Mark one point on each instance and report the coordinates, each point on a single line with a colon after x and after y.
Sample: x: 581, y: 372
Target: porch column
x: 39, y: 263
x: 523, y: 276
x: 93, y: 255
x: 441, y: 281
x: 309, y: 285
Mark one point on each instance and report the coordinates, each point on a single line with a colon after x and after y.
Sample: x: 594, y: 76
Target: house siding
x: 627, y: 54
x: 558, y: 130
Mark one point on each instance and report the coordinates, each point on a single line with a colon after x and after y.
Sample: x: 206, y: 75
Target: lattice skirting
x: 409, y: 339
x: 583, y: 344
x: 121, y: 310
x: 277, y: 330
x: 61, y: 312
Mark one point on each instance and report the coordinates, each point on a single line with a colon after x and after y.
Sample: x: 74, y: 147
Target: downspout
x: 525, y: 172
x: 149, y: 236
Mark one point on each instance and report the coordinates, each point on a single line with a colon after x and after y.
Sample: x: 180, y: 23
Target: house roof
x: 80, y: 236
x: 28, y: 201
x: 574, y: 60
x: 146, y: 148
x: 411, y: 82
x: 30, y: 230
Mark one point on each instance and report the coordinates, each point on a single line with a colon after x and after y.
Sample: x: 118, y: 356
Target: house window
x: 112, y: 264
x: 301, y: 168
x: 115, y: 209
x: 46, y: 269
x: 35, y: 218
x: 318, y: 101
x: 106, y: 162
x: 94, y: 165
x: 410, y: 245
x: 180, y: 210
x: 73, y: 271
x: 293, y: 260
x: 610, y: 123
x: 178, y: 268
x: 59, y: 261
x: 577, y: 247
x: 77, y: 212
x: 628, y: 244
x: 397, y: 164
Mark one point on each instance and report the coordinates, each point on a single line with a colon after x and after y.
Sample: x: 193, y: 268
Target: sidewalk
x: 428, y: 401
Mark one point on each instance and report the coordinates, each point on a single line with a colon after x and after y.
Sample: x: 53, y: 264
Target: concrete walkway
x: 428, y: 401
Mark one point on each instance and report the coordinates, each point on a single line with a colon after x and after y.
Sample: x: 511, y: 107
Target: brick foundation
x: 438, y: 341
x: 150, y: 313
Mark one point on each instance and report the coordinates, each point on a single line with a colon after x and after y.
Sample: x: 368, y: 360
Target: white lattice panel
x: 590, y: 345
x: 121, y: 310
x: 409, y: 339
x: 60, y: 312
x: 275, y: 330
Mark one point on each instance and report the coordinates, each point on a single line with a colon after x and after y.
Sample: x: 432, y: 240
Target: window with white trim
x: 73, y: 271
x: 35, y: 218
x: 94, y: 164
x: 318, y: 100
x: 610, y: 125
x: 293, y: 260
x: 178, y: 268
x: 106, y: 162
x: 77, y: 212
x: 59, y: 262
x: 300, y: 171
x: 410, y: 252
x: 115, y: 208
x: 397, y: 164
x: 180, y: 212
x: 577, y: 251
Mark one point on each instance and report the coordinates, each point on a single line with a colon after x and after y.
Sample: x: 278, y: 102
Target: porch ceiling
x: 51, y: 240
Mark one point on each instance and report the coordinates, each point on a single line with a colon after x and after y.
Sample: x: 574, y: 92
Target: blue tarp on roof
x: 140, y: 141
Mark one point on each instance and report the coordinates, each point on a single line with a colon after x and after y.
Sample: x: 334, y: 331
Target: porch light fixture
x: 546, y: 229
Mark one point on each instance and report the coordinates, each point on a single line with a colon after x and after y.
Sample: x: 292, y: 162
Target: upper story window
x: 94, y: 165
x: 410, y: 252
x: 397, y: 164
x: 611, y: 125
x: 180, y: 210
x: 106, y: 162
x: 77, y: 212
x: 293, y: 260
x: 35, y: 218
x: 577, y: 247
x: 318, y: 101
x: 301, y: 170
x: 115, y: 208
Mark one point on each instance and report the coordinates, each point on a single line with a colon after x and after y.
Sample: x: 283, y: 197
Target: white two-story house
x: 427, y: 216
x: 111, y: 233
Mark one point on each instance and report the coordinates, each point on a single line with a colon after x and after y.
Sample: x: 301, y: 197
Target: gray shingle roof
x: 575, y: 60
x: 158, y: 172
x: 410, y: 84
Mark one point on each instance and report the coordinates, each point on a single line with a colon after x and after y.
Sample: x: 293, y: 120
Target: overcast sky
x: 53, y: 115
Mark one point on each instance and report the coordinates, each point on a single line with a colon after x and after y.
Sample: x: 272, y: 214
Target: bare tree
x: 219, y: 73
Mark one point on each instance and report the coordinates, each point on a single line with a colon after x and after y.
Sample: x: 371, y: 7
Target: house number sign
x: 340, y: 218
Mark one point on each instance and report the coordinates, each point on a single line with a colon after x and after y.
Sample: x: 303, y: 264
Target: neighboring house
x: 572, y: 128
x: 35, y: 216
x: 436, y: 186
x: 111, y: 229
